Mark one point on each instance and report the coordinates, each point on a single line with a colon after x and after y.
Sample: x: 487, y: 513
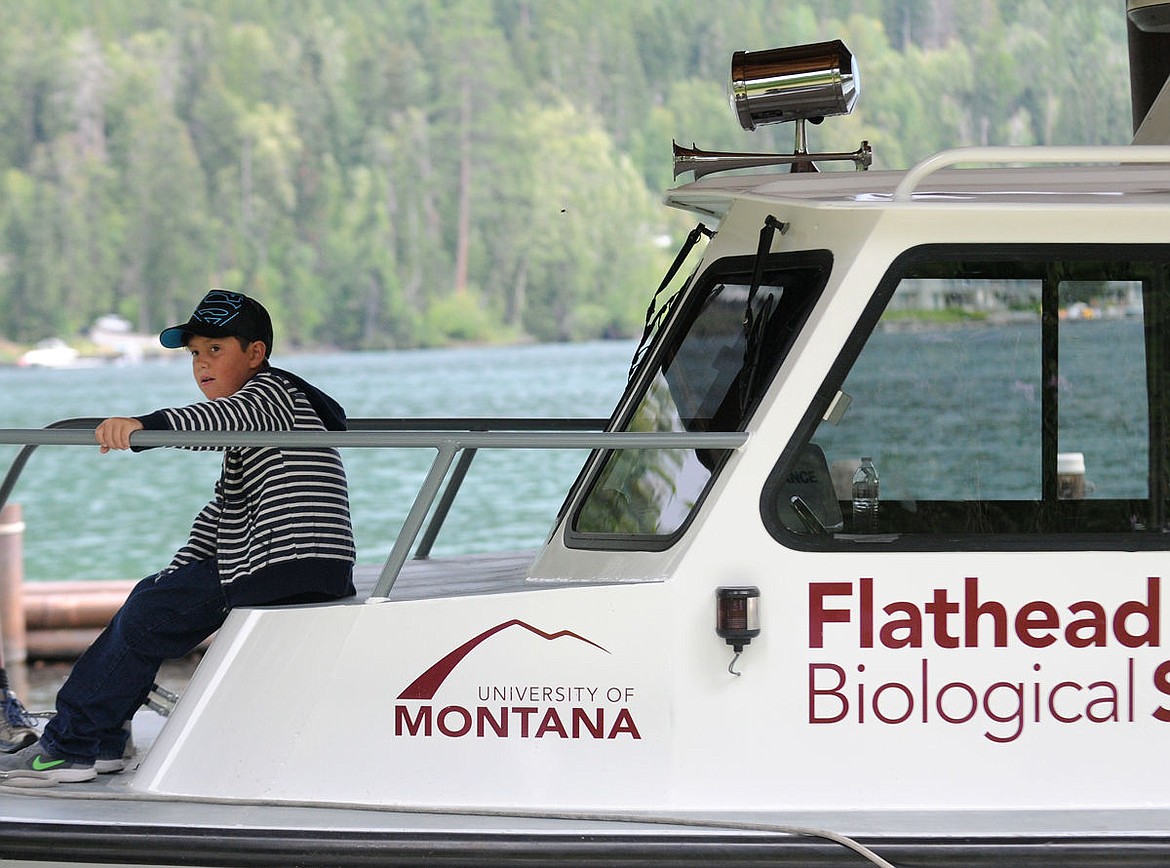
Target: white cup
x: 1070, y: 475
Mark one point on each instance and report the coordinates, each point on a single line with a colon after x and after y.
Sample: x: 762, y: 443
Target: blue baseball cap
x: 223, y: 314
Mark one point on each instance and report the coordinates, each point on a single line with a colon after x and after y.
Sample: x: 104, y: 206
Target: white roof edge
x: 1017, y: 173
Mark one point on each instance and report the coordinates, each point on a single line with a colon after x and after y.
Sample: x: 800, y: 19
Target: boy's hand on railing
x: 114, y: 433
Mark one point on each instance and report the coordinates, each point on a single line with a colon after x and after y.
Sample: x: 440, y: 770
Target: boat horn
x: 702, y: 162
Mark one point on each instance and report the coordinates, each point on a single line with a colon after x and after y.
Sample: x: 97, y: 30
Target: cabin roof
x: 1077, y: 186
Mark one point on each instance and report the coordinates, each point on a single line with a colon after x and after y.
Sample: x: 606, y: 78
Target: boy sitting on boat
x: 276, y: 531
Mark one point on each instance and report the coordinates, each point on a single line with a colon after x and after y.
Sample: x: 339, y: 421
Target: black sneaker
x: 32, y: 766
x: 16, y: 724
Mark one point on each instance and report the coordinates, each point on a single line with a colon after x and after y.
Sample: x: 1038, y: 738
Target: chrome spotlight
x: 799, y: 83
x: 802, y: 82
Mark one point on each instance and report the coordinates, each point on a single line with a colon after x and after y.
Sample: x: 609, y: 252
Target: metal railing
x: 1023, y: 155
x: 450, y: 438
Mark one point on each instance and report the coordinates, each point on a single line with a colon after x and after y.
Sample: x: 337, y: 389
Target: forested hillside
x: 406, y: 172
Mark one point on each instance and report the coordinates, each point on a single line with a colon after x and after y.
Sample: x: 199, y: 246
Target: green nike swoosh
x: 41, y: 765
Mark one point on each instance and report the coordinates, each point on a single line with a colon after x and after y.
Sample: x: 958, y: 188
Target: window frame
x: 731, y: 269
x: 1158, y: 424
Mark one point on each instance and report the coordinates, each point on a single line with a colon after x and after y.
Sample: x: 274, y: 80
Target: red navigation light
x: 737, y: 615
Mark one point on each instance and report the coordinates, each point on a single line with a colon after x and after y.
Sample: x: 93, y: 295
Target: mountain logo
x: 426, y: 685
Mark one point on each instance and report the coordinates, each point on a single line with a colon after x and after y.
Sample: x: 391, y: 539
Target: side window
x: 708, y: 374
x: 1004, y: 394
x: 1103, y: 420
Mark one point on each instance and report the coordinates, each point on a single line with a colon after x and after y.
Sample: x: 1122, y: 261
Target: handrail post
x: 12, y: 627
x: 414, y: 521
x: 432, y: 532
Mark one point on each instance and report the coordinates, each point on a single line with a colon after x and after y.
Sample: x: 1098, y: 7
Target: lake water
x: 122, y: 515
x: 954, y: 413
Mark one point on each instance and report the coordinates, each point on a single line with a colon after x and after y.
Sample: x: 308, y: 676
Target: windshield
x: 709, y: 374
x: 1007, y: 396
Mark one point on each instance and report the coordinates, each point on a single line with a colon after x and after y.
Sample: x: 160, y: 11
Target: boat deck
x: 461, y: 576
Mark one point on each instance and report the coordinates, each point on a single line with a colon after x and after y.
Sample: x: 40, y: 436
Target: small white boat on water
x: 50, y: 353
x: 735, y: 648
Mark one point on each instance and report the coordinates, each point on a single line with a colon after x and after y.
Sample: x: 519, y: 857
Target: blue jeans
x: 163, y: 618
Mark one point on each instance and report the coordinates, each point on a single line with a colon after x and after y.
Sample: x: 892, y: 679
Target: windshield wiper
x: 753, y: 323
x: 652, y: 319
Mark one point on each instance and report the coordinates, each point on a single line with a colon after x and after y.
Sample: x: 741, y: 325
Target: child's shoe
x: 32, y: 766
x: 16, y: 724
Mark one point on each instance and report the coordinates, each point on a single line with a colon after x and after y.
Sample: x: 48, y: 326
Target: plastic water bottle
x: 865, y: 497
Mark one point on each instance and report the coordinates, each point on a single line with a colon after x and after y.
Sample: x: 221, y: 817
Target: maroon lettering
x: 1037, y: 615
x: 1150, y: 611
x: 1090, y: 631
x: 457, y: 721
x: 421, y: 722
x: 899, y: 688
x: 525, y: 712
x: 1014, y: 714
x: 1109, y: 701
x: 972, y: 698
x: 865, y: 639
x: 1052, y: 702
x: 818, y: 615
x: 462, y: 726
x: 551, y: 723
x: 973, y: 610
x: 939, y: 609
x: 967, y: 622
x: 623, y: 724
x: 1162, y: 685
x: 911, y: 624
x: 814, y: 692
x: 595, y: 726
x: 499, y: 725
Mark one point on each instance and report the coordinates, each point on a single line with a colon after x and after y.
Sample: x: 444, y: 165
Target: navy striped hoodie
x: 279, y: 524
